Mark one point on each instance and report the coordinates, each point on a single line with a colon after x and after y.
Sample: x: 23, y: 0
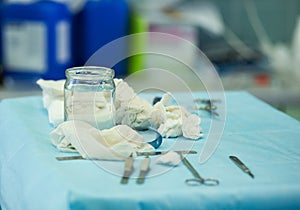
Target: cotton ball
x: 122, y: 134
x: 191, y: 127
x: 135, y: 113
x: 157, y: 116
x: 176, y: 112
x: 123, y: 93
x: 131, y: 110
x: 52, y: 87
x: 52, y: 90
x: 170, y: 128
x: 166, y: 99
x: 171, y: 159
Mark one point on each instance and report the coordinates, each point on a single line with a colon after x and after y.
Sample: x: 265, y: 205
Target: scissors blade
x: 197, y: 178
x: 191, y: 168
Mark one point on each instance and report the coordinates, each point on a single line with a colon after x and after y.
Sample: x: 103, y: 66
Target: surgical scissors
x: 197, y: 180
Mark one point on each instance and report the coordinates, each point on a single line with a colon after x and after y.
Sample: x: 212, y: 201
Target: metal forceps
x: 197, y: 180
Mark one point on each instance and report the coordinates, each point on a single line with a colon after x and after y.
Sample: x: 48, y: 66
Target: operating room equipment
x: 144, y: 169
x: 128, y: 169
x: 241, y: 165
x: 197, y: 180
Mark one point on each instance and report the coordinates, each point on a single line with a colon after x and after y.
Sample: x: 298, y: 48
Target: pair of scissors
x: 197, y: 180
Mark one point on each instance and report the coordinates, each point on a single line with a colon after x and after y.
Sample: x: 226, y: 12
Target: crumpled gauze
x: 173, y: 121
x: 53, y: 99
x: 170, y: 159
x: 116, y: 143
x: 131, y: 110
x: 191, y: 127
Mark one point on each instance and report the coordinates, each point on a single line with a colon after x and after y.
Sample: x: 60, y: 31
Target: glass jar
x: 89, y: 96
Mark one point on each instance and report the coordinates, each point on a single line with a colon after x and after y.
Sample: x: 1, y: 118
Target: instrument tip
x: 251, y: 175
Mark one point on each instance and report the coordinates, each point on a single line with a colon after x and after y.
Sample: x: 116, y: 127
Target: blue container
x: 36, y: 40
x: 100, y: 22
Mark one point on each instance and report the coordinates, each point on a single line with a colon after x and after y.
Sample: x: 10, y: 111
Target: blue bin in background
x: 97, y: 24
x: 36, y: 40
x: 41, y: 39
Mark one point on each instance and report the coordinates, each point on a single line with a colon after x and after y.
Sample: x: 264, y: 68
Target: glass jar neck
x: 90, y: 73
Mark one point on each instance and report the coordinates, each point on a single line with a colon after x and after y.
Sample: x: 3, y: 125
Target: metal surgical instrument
x: 197, y: 180
x: 128, y: 169
x: 241, y: 165
x: 210, y: 107
x: 144, y: 169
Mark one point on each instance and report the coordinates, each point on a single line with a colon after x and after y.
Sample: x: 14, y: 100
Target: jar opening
x: 90, y: 72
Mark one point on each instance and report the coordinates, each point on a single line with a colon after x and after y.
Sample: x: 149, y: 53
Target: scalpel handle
x: 128, y: 168
x: 240, y: 164
x: 144, y: 168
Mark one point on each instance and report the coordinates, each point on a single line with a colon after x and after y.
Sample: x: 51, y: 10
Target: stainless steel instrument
x: 209, y: 107
x: 79, y: 157
x: 197, y: 180
x: 128, y: 169
x: 144, y: 169
x: 165, y: 152
x: 241, y: 165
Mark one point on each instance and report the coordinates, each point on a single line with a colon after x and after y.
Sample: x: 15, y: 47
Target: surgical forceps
x: 210, y: 107
x: 197, y: 180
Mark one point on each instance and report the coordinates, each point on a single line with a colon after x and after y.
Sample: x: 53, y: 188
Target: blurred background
x: 254, y: 45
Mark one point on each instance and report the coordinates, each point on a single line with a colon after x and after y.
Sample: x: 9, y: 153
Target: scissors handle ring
x: 210, y: 182
x: 197, y: 182
x: 194, y: 182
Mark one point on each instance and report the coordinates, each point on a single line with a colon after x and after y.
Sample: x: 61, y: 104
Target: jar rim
x: 90, y: 72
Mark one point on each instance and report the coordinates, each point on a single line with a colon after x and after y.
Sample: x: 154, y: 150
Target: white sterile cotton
x: 170, y: 159
x: 157, y: 116
x: 134, y: 114
x: 191, y: 127
x: 166, y: 99
x: 172, y: 126
x: 54, y: 88
x: 123, y: 94
x: 94, y: 108
x: 116, y: 143
x: 53, y: 99
x: 174, y: 121
x: 131, y: 110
